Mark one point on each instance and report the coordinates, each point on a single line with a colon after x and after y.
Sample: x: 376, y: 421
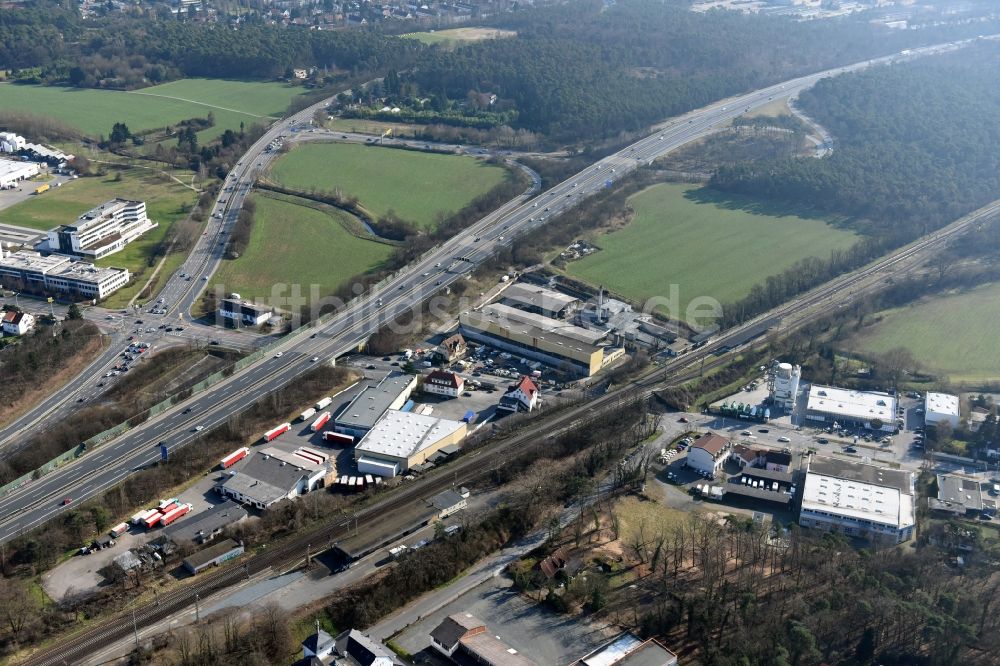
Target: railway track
x: 481, y: 462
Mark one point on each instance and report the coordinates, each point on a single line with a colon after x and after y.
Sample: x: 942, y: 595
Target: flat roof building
x: 859, y: 409
x: 363, y: 412
x: 13, y: 172
x: 535, y: 336
x: 271, y: 475
x: 960, y: 495
x: 464, y: 638
x: 102, y: 230
x: 400, y: 440
x: 225, y: 550
x: 242, y: 313
x: 939, y: 407
x: 540, y: 300
x: 206, y: 525
x: 60, y: 274
x: 630, y: 650
x: 858, y: 499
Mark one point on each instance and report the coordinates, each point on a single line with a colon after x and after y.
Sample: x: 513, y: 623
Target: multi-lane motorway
x: 31, y: 505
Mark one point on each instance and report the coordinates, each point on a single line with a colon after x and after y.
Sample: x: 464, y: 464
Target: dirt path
x: 194, y: 101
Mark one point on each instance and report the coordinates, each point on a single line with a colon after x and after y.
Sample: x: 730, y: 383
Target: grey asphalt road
x: 90, y: 475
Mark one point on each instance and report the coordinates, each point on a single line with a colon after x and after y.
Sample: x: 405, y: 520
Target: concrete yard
x: 531, y: 629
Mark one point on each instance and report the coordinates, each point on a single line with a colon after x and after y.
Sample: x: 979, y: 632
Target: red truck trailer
x: 152, y: 521
x: 118, y: 530
x: 277, y: 432
x: 320, y: 421
x: 234, y: 457
x: 174, y: 514
x: 331, y: 437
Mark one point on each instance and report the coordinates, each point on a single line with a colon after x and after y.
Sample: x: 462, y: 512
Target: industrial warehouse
x: 551, y: 341
x: 58, y: 274
x: 362, y: 413
x: 858, y: 499
x: 272, y: 475
x: 857, y: 409
x: 14, y: 172
x: 102, y: 230
x: 402, y: 440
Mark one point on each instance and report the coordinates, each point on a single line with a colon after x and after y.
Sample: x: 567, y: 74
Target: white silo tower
x: 785, y: 385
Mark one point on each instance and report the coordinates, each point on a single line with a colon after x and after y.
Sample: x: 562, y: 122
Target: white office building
x: 940, y: 407
x: 103, y: 230
x: 870, y: 410
x: 60, y: 275
x: 858, y: 500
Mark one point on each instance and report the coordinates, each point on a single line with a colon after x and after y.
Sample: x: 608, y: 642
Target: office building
x: 102, y: 230
x: 60, y: 275
x: 942, y: 407
x: 242, y: 313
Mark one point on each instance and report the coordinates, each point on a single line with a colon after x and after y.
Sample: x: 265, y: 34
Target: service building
x: 102, y: 230
x: 870, y: 410
x: 272, y: 475
x: 401, y: 440
x: 858, y: 500
x: 940, y: 408
x: 242, y: 313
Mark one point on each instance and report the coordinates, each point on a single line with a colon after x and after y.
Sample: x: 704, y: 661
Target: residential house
x: 521, y: 397
x: 708, y: 453
x: 445, y: 383
x: 451, y: 349
x: 17, y: 323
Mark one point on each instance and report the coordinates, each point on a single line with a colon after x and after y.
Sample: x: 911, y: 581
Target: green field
x: 166, y: 202
x: 292, y: 244
x: 456, y: 36
x: 416, y: 186
x: 93, y: 112
x: 953, y: 335
x: 686, y: 235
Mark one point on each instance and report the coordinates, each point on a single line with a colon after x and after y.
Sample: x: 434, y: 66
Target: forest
x: 582, y: 75
x: 913, y: 146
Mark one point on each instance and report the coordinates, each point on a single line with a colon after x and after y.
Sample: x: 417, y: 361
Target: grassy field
x: 949, y: 335
x: 375, y: 127
x: 686, y: 235
x: 457, y: 36
x: 166, y: 202
x: 416, y: 186
x: 93, y: 112
x: 292, y: 244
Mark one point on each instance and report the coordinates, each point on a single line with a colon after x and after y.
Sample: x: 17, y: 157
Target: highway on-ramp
x: 107, y: 465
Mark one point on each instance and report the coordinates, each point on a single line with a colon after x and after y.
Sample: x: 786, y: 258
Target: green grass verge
x: 93, y: 112
x: 950, y: 335
x: 689, y: 236
x: 416, y: 186
x: 293, y: 244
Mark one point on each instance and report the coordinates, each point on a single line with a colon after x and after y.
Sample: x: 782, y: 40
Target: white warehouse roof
x: 858, y: 405
x: 941, y: 404
x: 402, y: 434
x: 857, y: 499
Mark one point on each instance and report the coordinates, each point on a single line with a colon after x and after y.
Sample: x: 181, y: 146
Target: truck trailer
x: 140, y: 518
x: 306, y: 415
x: 331, y: 437
x: 320, y: 421
x: 234, y: 457
x: 174, y: 514
x: 118, y: 530
x: 274, y: 433
x: 153, y: 520
x: 323, y: 403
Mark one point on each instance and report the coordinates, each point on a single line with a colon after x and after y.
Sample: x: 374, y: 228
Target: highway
x: 93, y: 473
